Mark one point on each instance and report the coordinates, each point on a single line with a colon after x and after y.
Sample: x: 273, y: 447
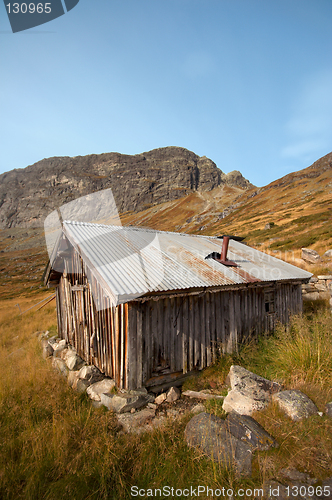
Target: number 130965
x: 29, y: 8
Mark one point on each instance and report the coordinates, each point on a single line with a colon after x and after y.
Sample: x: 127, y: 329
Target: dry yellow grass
x: 55, y: 445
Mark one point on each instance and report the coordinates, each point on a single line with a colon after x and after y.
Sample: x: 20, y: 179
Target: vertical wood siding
x: 180, y: 334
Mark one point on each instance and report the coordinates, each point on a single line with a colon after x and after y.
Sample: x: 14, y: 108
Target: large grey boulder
x: 249, y: 392
x: 245, y: 403
x: 310, y: 256
x: 249, y: 431
x: 209, y: 434
x: 241, y: 379
x: 295, y: 404
x: 103, y: 386
x: 123, y: 403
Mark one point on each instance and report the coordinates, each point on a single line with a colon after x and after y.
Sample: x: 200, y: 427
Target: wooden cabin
x: 148, y: 307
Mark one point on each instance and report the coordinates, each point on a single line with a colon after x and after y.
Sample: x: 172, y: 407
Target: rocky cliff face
x: 28, y: 195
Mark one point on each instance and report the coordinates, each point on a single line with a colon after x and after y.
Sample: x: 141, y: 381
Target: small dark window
x: 269, y: 301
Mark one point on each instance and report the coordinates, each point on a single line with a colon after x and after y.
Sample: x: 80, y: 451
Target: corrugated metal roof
x: 134, y: 261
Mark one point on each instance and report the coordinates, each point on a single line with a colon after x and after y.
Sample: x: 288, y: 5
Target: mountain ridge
x: 28, y: 195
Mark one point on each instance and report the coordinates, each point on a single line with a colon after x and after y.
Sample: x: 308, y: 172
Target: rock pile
x: 231, y: 441
x: 137, y: 411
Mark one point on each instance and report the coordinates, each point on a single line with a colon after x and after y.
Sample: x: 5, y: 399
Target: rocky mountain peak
x: 235, y: 178
x: 139, y: 181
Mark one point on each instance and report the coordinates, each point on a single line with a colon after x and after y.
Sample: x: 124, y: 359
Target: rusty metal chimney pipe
x: 224, y: 249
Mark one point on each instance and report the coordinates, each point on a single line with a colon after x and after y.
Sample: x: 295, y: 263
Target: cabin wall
x: 176, y: 335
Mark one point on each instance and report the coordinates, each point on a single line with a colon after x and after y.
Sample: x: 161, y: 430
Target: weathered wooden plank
x: 191, y: 333
x: 164, y: 332
x: 209, y: 335
x: 126, y: 345
x: 201, y: 327
x: 232, y: 326
x: 154, y: 335
x: 218, y: 304
x: 197, y: 328
x: 121, y: 346
x: 88, y: 321
x: 178, y: 334
x: 104, y: 336
x: 147, y: 340
x: 185, y: 336
x: 160, y: 337
x: 225, y: 328
x: 156, y: 384
x: 113, y: 341
x: 132, y: 346
x: 139, y: 346
x: 213, y: 326
x: 172, y: 314
x: 58, y: 311
x: 107, y: 341
x: 117, y: 346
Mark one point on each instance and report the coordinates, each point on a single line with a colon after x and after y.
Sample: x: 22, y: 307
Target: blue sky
x: 247, y: 83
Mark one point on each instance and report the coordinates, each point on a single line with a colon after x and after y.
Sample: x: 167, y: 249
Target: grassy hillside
x: 23, y: 257
x: 298, y: 206
x: 190, y: 214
